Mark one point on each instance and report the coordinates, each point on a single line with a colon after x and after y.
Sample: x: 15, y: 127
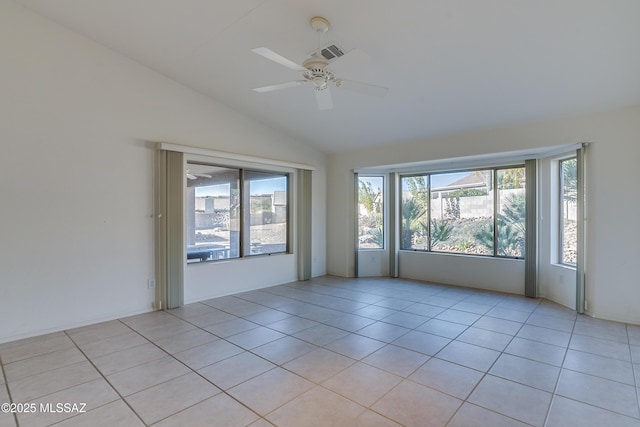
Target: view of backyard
x: 215, y: 204
x: 458, y: 217
x: 568, y: 214
x: 454, y: 212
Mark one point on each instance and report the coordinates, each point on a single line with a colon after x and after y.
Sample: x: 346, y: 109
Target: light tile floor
x: 333, y: 351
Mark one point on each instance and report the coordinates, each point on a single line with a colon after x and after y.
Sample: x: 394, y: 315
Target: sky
x: 265, y: 186
x: 441, y: 180
x: 268, y: 186
x: 437, y: 180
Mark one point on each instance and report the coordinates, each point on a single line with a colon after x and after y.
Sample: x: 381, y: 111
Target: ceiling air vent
x: 330, y: 52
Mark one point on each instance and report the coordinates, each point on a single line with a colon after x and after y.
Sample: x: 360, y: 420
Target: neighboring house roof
x: 476, y: 177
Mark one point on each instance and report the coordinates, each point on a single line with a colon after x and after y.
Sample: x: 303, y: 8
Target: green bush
x: 465, y: 192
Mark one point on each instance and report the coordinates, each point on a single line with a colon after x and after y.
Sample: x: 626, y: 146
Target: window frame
x: 244, y: 197
x: 495, y: 205
x: 383, y: 211
x: 498, y: 206
x: 561, y: 212
x: 427, y: 177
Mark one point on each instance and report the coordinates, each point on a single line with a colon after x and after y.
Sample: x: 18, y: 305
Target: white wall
x: 373, y: 263
x: 470, y: 271
x: 212, y: 279
x: 612, y: 285
x: 556, y: 282
x: 76, y: 177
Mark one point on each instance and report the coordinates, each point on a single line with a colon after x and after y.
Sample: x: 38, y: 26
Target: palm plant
x: 412, y: 213
x: 511, y: 229
x: 440, y: 232
x: 415, y: 230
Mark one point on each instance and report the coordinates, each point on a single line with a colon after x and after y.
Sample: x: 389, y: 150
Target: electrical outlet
x: 151, y: 284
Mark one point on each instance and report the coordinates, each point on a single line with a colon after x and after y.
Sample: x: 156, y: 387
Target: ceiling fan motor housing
x: 317, y: 73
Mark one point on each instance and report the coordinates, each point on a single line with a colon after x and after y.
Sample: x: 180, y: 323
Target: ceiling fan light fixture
x: 320, y: 85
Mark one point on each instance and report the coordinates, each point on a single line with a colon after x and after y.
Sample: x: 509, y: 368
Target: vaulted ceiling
x: 450, y: 65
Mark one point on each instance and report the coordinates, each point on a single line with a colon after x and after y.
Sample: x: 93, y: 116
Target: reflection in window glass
x: 568, y: 210
x: 267, y: 213
x: 462, y: 212
x: 511, y: 212
x: 370, y: 212
x: 212, y: 213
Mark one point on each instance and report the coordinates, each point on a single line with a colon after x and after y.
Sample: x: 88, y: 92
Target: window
x: 415, y: 212
x: 370, y: 212
x: 214, y: 213
x: 568, y: 210
x: 462, y: 212
x: 465, y: 212
x: 267, y: 219
x: 511, y: 209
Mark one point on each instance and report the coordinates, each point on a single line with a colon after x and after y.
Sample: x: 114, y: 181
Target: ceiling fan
x: 314, y: 70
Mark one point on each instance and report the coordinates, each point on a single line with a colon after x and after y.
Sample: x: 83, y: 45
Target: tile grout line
x: 633, y: 368
x: 594, y: 375
x: 104, y: 377
x: 597, y: 376
x: 378, y: 320
x: 412, y: 302
x: 6, y: 386
x: 323, y: 347
x: 55, y: 369
x: 163, y: 382
x: 430, y: 357
x: 222, y: 391
x: 433, y: 356
x: 484, y: 374
x: 257, y: 355
x: 557, y: 383
x: 39, y: 354
x: 318, y: 384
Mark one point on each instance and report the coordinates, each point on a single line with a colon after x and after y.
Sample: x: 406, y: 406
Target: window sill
x: 564, y: 266
x: 456, y: 254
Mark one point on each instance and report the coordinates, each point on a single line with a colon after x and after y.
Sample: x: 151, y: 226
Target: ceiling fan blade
x: 364, y: 88
x: 279, y: 86
x: 271, y: 55
x: 324, y: 99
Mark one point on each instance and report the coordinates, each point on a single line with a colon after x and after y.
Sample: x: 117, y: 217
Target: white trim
x: 565, y: 150
x: 471, y: 162
x: 230, y: 156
